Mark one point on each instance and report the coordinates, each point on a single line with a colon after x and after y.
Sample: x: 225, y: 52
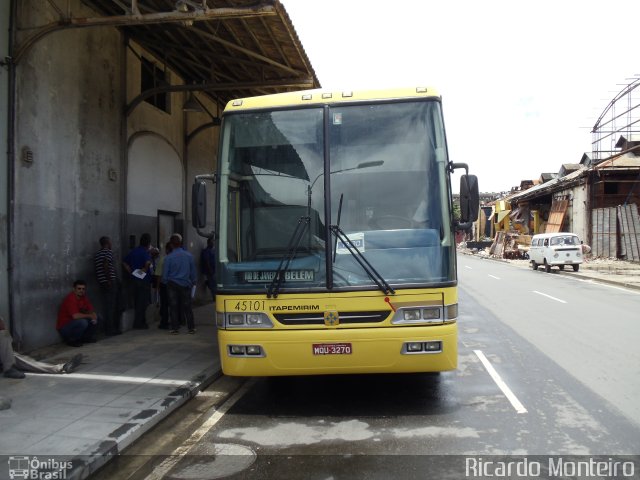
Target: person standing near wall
x: 137, y: 264
x: 208, y: 266
x: 179, y: 273
x: 109, y: 287
x: 162, y: 288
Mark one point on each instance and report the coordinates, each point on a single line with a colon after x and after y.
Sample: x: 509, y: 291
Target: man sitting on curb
x: 15, y: 364
x: 77, y: 318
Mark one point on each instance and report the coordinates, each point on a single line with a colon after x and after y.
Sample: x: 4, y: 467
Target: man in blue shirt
x: 179, y: 274
x: 138, y: 264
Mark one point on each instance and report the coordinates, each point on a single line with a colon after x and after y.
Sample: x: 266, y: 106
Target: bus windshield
x: 289, y: 177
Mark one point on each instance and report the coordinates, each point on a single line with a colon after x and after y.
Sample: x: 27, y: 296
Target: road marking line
x: 549, y: 296
x: 503, y: 386
x: 467, y: 266
x: 493, y: 276
x: 118, y: 378
x: 594, y: 281
x: 215, y: 415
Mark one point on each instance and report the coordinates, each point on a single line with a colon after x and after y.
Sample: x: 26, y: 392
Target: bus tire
x: 534, y: 265
x: 576, y: 267
x: 547, y: 267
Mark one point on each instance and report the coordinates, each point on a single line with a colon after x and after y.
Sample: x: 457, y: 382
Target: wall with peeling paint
x: 68, y: 116
x: 4, y: 92
x: 579, y: 213
x: 94, y: 172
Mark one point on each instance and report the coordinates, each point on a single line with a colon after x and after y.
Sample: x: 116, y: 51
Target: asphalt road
x: 588, y: 329
x: 548, y: 366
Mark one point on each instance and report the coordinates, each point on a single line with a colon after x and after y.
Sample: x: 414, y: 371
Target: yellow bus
x: 335, y: 234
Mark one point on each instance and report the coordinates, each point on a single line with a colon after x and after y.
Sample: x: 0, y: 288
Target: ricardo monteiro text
x: 553, y: 467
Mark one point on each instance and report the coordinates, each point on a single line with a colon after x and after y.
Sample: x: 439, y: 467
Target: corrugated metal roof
x: 240, y: 48
x: 627, y: 160
x: 548, y: 187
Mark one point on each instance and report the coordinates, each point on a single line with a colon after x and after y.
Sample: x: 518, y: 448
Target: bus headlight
x: 256, y: 319
x: 236, y: 319
x: 245, y: 351
x: 428, y: 314
x: 237, y: 349
x: 411, y: 314
x: 417, y: 315
x: 248, y: 320
x: 421, y: 348
x: 254, y: 350
x: 431, y: 313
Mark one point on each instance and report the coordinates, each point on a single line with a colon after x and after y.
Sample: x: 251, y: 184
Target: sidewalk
x: 124, y: 386
x: 615, y: 272
x: 603, y: 270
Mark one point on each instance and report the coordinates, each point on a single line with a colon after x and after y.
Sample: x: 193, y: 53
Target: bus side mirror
x: 469, y: 198
x: 199, y: 205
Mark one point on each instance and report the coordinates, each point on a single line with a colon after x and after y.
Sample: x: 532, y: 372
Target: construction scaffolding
x: 621, y: 118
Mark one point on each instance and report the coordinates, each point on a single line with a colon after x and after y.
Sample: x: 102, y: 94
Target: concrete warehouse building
x: 108, y: 110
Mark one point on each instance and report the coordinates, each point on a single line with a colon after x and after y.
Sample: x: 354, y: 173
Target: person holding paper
x: 163, y: 296
x: 179, y: 274
x: 138, y: 264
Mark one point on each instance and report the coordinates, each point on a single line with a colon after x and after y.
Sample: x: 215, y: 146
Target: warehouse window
x: 610, y: 188
x: 153, y: 76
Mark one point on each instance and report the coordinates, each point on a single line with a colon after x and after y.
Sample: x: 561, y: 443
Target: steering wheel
x: 390, y: 222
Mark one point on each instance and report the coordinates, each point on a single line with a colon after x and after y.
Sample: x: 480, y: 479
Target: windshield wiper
x: 364, y: 263
x: 335, y: 244
x: 292, y: 249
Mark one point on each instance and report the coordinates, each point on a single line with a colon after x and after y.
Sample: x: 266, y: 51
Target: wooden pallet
x: 556, y: 216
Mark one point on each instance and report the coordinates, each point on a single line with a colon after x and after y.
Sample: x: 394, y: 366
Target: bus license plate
x: 332, y: 349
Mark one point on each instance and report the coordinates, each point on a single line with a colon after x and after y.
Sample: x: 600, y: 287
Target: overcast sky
x: 522, y: 82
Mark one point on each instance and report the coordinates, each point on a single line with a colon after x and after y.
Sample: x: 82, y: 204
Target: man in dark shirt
x: 208, y: 266
x: 109, y: 287
x: 138, y: 264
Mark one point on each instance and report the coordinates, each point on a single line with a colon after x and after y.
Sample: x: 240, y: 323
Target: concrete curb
x: 106, y: 450
x: 602, y: 280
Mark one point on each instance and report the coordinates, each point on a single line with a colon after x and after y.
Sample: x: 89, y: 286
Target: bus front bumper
x: 339, y: 351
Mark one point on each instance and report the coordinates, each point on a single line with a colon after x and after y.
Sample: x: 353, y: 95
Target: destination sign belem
x: 289, y: 276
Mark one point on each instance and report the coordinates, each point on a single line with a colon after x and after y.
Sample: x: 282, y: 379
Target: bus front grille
x: 318, y: 319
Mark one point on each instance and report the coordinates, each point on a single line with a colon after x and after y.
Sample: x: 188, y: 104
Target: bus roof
x: 322, y: 96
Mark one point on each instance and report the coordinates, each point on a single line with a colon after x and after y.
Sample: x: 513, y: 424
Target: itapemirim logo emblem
x: 37, y: 469
x: 331, y: 318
